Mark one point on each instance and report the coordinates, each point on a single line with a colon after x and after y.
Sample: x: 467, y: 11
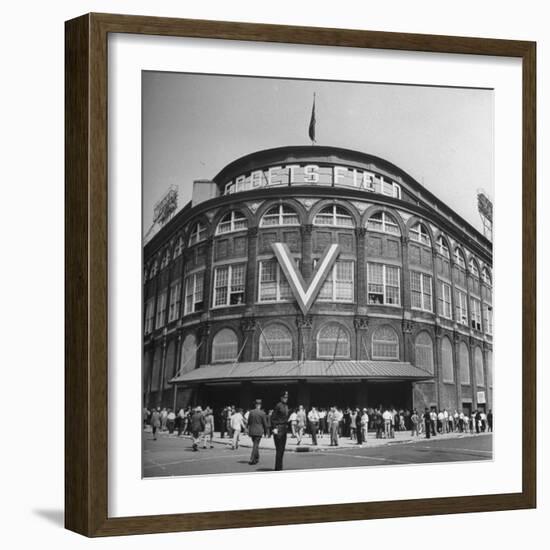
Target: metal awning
x: 314, y: 370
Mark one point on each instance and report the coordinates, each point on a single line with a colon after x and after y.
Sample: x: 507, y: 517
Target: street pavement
x: 173, y: 456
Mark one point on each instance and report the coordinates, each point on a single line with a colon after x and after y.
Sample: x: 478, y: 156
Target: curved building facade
x: 329, y: 272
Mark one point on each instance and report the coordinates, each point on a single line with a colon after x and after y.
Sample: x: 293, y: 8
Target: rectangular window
x: 229, y: 285
x: 194, y: 292
x: 149, y: 315
x: 421, y: 291
x: 475, y: 314
x: 273, y: 286
x: 383, y: 284
x: 338, y: 286
x: 161, y: 309
x: 488, y: 318
x: 444, y: 300
x: 175, y: 300
x: 461, y: 308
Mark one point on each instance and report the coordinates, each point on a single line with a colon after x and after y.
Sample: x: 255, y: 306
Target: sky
x: 194, y: 125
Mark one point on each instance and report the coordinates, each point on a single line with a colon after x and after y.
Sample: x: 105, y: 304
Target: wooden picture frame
x: 86, y: 281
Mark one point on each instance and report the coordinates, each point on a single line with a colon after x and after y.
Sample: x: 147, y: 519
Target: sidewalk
x: 323, y: 443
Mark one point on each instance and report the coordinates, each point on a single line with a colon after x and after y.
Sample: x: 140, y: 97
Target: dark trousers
x: 280, y: 444
x: 314, y: 427
x: 427, y: 426
x: 255, y: 455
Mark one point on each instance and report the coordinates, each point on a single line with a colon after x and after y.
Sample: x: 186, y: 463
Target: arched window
x: 447, y: 360
x: 225, y: 346
x: 334, y: 215
x: 279, y: 215
x: 385, y: 343
x: 232, y: 221
x: 333, y: 342
x: 188, y: 359
x: 385, y: 223
x: 459, y: 258
x: 178, y: 249
x: 275, y: 342
x: 419, y: 233
x: 473, y: 268
x: 478, y: 362
x: 442, y: 247
x: 424, y: 352
x: 198, y: 234
x: 464, y: 363
x: 486, y: 276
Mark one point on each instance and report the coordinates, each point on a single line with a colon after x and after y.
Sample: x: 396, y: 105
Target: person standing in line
x: 180, y: 421
x: 333, y: 424
x: 477, y: 420
x: 365, y: 421
x: 237, y: 426
x: 155, y: 422
x: 427, y: 422
x: 300, y: 424
x: 208, y: 428
x: 322, y: 423
x: 353, y: 424
x: 163, y: 419
x: 445, y: 421
x: 279, y: 423
x: 257, y: 427
x: 387, y: 417
x: 433, y: 422
x: 440, y: 422
x: 483, y: 421
x: 361, y: 423
x: 197, y: 425
x: 401, y: 421
x: 171, y: 421
x: 230, y: 413
x: 292, y: 419
x: 490, y: 420
x: 313, y: 418
x: 379, y: 424
x: 414, y: 424
x: 223, y: 422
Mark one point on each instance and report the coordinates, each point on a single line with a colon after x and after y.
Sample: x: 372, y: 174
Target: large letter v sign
x: 305, y: 296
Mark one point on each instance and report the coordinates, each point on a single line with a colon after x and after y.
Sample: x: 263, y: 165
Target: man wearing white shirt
x: 313, y: 418
x: 387, y: 417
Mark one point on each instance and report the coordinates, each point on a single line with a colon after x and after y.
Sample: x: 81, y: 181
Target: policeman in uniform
x: 279, y: 422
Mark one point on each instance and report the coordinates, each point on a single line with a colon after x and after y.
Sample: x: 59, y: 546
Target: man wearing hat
x: 279, y: 422
x: 257, y: 427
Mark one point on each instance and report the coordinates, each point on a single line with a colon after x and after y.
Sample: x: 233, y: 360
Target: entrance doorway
x: 396, y: 395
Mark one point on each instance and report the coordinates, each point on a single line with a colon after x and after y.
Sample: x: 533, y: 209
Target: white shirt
x: 237, y: 420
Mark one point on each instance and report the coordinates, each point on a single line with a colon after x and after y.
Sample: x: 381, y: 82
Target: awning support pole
x: 175, y: 395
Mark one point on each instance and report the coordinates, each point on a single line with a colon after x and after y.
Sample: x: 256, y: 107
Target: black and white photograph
x: 317, y: 274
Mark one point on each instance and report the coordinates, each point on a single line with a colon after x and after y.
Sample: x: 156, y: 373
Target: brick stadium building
x: 400, y: 313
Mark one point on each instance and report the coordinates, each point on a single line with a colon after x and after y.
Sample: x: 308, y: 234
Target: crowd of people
x: 334, y: 422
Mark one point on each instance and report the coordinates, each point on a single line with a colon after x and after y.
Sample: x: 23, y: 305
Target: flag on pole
x: 312, y: 123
